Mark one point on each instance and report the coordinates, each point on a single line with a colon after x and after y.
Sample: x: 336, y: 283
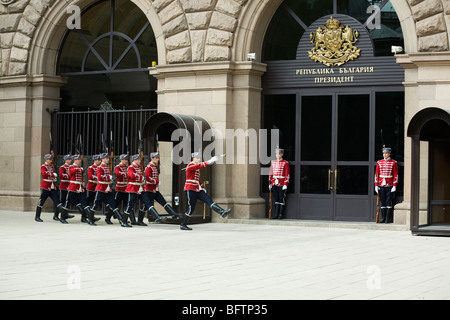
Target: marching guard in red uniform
x: 77, y: 195
x: 135, y: 188
x: 64, y: 176
x: 386, y: 180
x: 92, y: 179
x: 121, y: 180
x: 195, y: 191
x: 104, y: 192
x: 48, y: 188
x: 278, y: 182
x: 65, y: 181
x: 152, y: 188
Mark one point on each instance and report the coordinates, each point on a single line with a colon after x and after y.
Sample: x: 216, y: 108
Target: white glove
x: 212, y: 160
x: 55, y: 175
x: 270, y: 187
x: 393, y: 189
x: 284, y: 187
x: 377, y: 188
x: 110, y: 177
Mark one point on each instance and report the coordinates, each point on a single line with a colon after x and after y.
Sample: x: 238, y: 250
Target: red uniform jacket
x: 64, y: 175
x: 193, y: 176
x: 121, y: 177
x: 135, y: 179
x: 48, y: 177
x: 92, y: 178
x: 279, y: 173
x: 76, y: 179
x: 386, y: 173
x: 104, y: 178
x: 151, y: 174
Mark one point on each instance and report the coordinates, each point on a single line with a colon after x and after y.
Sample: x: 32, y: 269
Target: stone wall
x: 432, y: 18
x: 194, y: 31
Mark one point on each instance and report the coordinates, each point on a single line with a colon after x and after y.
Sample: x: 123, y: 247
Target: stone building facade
x: 202, y: 69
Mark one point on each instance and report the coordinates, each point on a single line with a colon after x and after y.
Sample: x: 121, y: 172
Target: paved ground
x: 216, y: 261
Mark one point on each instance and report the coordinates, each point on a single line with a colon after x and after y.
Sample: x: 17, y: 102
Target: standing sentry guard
x: 278, y: 182
x: 386, y: 180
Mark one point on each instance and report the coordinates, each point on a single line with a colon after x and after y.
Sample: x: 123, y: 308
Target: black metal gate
x: 116, y: 126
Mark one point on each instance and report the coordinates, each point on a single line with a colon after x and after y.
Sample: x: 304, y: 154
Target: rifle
x: 52, y: 152
x: 157, y: 150
x: 378, y: 208
x: 80, y: 151
x: 270, y: 204
x: 141, y: 151
x: 111, y: 144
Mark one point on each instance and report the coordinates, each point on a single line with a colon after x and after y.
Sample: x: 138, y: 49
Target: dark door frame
x: 292, y: 200
x: 416, y: 134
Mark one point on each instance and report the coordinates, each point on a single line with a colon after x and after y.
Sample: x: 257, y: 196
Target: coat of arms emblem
x: 334, y: 44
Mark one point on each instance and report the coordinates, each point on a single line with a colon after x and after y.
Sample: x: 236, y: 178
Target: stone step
x: 322, y: 224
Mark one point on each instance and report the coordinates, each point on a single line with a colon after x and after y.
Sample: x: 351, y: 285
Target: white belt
x: 122, y: 182
x: 276, y: 177
x: 193, y: 181
x: 93, y: 181
x: 104, y: 182
x: 135, y: 183
x: 76, y: 182
x: 382, y: 176
x: 48, y: 180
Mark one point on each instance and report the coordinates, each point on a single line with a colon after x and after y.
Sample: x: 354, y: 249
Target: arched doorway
x: 175, y: 150
x: 429, y: 130
x: 331, y: 85
x: 106, y: 61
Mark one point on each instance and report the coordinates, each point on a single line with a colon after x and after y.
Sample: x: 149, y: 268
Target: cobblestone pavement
x: 220, y: 261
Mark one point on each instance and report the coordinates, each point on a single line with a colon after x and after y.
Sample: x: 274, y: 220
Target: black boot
x: 382, y: 217
x: 56, y: 213
x: 90, y: 216
x: 109, y: 214
x: 132, y: 217
x: 64, y: 214
x: 141, y: 216
x: 123, y: 219
x: 169, y: 209
x: 183, y: 225
x: 83, y: 213
x: 280, y: 212
x: 389, y: 216
x: 37, y: 217
x: 223, y: 213
x: 276, y: 211
x: 152, y: 211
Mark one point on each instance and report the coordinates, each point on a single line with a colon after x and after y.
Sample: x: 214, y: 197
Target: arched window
x: 294, y: 17
x: 107, y: 59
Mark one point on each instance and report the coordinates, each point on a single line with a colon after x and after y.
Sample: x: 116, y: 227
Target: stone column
x: 228, y: 96
x: 427, y: 82
x: 25, y: 105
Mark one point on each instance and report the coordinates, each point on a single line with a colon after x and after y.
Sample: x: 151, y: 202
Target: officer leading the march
x: 195, y: 191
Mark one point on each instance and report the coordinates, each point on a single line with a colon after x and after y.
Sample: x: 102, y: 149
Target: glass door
x: 316, y: 151
x: 351, y: 163
x: 334, y: 157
